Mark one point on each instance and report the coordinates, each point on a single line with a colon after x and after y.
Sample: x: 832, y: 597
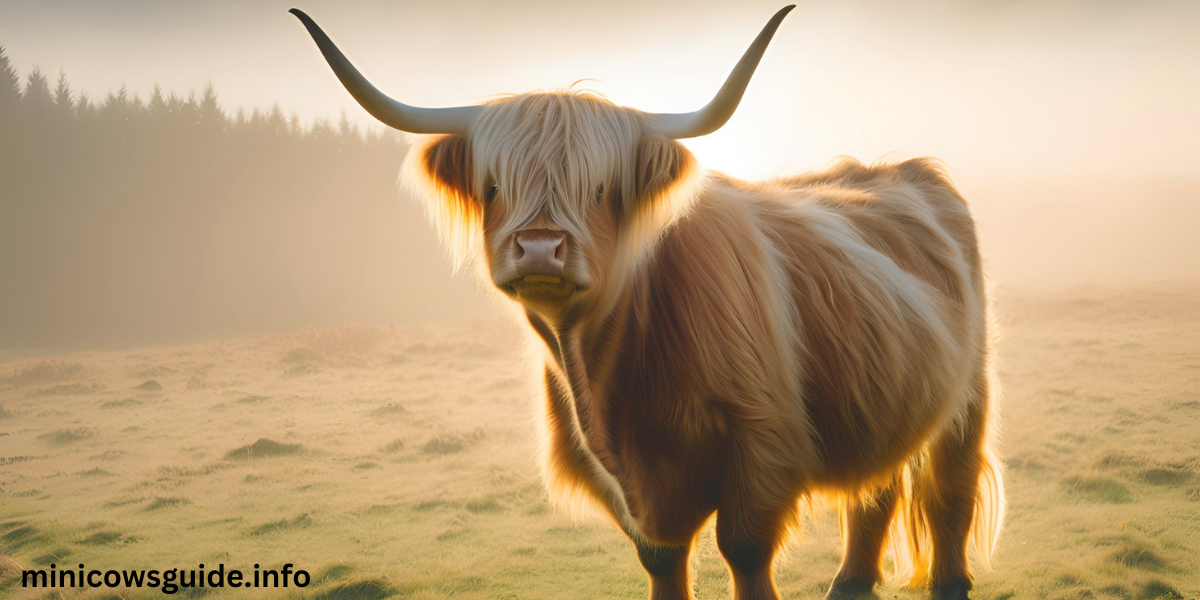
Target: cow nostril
x: 540, y: 250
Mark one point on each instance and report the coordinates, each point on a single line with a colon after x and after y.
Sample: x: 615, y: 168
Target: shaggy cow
x: 714, y: 346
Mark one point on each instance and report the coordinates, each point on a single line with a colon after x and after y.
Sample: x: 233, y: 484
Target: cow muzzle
x: 540, y: 256
x: 540, y: 253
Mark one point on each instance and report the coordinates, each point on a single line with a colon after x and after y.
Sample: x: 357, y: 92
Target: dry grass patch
x: 1104, y: 490
x: 161, y: 503
x: 361, y: 589
x: 125, y: 403
x: 68, y: 389
x: 301, y: 521
x: 263, y: 448
x: 48, y: 371
x: 62, y: 437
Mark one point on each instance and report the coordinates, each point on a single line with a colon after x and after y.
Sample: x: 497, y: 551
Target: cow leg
x: 866, y: 524
x: 668, y: 570
x: 748, y: 539
x: 955, y: 462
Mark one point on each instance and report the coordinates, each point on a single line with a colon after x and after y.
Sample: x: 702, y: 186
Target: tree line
x: 126, y: 220
x: 37, y: 108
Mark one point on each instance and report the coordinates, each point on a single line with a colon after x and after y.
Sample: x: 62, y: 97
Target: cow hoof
x: 852, y: 590
x: 951, y: 591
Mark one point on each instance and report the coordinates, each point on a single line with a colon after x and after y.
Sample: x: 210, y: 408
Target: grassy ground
x: 399, y: 461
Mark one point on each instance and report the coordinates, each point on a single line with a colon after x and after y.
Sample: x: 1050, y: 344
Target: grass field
x: 399, y: 462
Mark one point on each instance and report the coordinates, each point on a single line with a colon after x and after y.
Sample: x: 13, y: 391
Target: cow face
x: 556, y: 196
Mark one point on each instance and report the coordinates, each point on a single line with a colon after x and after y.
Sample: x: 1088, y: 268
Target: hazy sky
x: 993, y: 87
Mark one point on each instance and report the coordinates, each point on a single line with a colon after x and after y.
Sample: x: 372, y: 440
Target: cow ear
x: 662, y: 164
x: 447, y: 162
x: 444, y: 177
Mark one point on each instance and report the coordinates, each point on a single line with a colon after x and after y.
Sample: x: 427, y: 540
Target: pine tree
x: 211, y: 117
x: 157, y: 104
x: 85, y: 110
x: 37, y: 90
x: 116, y: 107
x: 321, y: 131
x: 64, y: 105
x: 277, y: 121
x: 10, y: 86
x: 347, y: 130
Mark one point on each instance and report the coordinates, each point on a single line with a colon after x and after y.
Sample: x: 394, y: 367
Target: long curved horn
x: 412, y: 119
x: 717, y: 112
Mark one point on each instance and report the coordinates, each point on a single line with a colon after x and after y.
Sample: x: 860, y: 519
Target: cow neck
x: 585, y: 351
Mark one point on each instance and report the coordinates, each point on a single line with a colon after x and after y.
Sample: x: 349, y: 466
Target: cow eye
x: 492, y: 191
x: 600, y: 193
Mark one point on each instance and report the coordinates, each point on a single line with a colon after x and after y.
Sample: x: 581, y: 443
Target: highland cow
x: 718, y: 347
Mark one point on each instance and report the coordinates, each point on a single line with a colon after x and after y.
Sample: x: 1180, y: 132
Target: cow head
x: 556, y: 196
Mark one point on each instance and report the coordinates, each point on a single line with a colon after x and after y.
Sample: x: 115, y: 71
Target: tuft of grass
x: 443, y: 444
x: 121, y: 403
x: 1024, y: 462
x: 332, y: 573
x: 299, y: 356
x: 298, y: 522
x: 451, y: 535
x: 180, y: 472
x: 104, y: 538
x: 1143, y: 559
x: 149, y: 385
x: 483, y: 505
x: 389, y: 410
x: 53, y: 556
x: 1165, y: 475
x: 364, y: 466
x: 67, y: 436
x: 381, y: 509
x: 12, y: 460
x: 96, y: 472
x: 1146, y: 470
x: 1158, y: 590
x: 119, y: 502
x: 263, y: 448
x: 161, y: 503
x: 250, y: 399
x: 1104, y: 490
x: 68, y: 389
x: 360, y: 589
x: 425, y: 505
x: 394, y: 446
x: 300, y: 371
x: 5, y: 413
x: 22, y: 535
x: 49, y: 371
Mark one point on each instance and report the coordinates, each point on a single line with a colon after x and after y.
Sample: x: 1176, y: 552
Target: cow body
x: 743, y: 329
x: 813, y: 334
x: 716, y: 346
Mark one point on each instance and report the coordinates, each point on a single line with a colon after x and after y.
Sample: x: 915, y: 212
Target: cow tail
x: 909, y: 537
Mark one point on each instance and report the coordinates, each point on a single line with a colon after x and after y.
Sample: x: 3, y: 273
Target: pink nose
x: 540, y: 252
